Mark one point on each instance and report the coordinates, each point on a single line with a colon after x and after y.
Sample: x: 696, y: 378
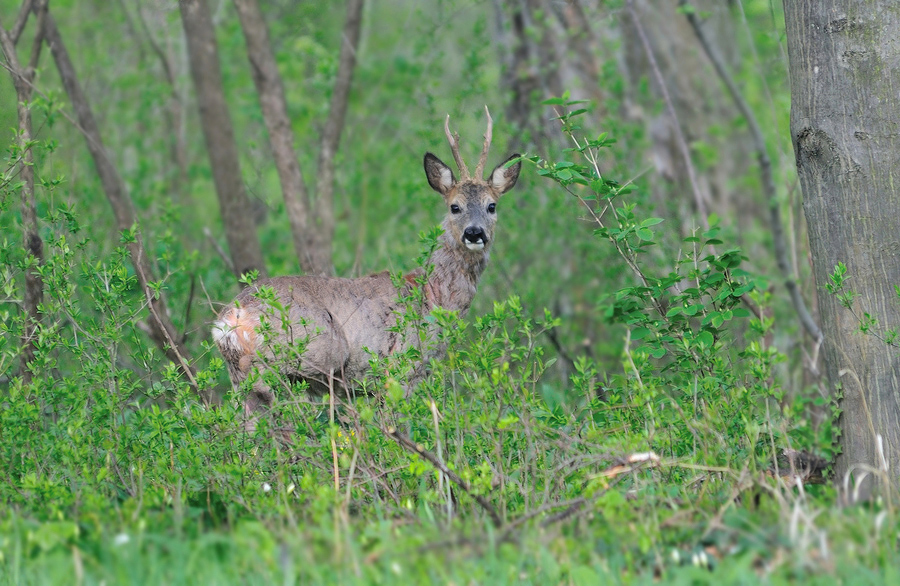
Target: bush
x: 115, y: 466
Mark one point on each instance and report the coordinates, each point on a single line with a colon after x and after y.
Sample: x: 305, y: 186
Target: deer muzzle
x: 475, y: 238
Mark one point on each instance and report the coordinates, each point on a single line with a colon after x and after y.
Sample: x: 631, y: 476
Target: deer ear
x: 504, y: 178
x: 440, y: 177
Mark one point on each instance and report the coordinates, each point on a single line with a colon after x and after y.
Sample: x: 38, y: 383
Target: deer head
x: 471, y: 200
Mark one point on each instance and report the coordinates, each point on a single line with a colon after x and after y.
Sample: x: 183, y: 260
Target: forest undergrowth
x: 676, y: 465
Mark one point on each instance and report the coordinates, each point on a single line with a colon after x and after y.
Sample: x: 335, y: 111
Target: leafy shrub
x: 111, y: 454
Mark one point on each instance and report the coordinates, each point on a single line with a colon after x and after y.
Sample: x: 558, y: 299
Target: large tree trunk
x: 845, y: 110
x: 203, y: 54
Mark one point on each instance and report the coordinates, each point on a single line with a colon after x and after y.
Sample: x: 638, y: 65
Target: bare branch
x: 154, y: 46
x: 140, y: 266
x: 21, y: 20
x: 38, y: 42
x: 175, y: 109
x: 31, y: 239
x: 410, y: 445
x: 453, y: 139
x: 479, y: 170
x: 768, y: 180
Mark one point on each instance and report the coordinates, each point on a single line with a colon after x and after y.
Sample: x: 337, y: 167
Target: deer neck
x: 455, y: 276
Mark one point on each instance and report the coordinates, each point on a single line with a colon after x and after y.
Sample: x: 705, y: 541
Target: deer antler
x: 454, y: 147
x: 479, y: 170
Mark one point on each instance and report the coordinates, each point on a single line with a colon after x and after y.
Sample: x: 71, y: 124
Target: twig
x: 765, y: 170
x: 560, y: 349
x: 187, y: 307
x: 31, y: 239
x: 38, y: 42
x: 152, y: 302
x: 218, y: 248
x: 408, y: 444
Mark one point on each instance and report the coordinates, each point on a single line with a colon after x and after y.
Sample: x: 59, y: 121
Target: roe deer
x: 342, y: 322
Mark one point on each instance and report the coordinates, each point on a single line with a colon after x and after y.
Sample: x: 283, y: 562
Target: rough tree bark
x: 161, y: 329
x: 845, y: 112
x: 203, y: 55
x: 31, y: 239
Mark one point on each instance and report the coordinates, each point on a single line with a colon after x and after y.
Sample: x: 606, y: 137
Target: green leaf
x: 742, y: 289
x: 639, y: 333
x: 705, y: 338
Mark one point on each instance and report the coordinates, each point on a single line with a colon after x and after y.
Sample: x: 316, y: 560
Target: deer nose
x: 473, y: 234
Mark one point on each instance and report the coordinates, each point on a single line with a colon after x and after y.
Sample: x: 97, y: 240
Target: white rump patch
x: 234, y: 331
x: 224, y: 335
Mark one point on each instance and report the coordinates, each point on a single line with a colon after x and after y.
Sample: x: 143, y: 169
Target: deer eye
x: 455, y: 209
x: 492, y: 207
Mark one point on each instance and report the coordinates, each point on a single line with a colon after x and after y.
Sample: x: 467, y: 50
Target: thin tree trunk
x: 845, y: 70
x: 274, y: 108
x: 582, y: 43
x: 175, y: 113
x: 203, y: 54
x: 161, y: 329
x: 21, y: 19
x: 331, y: 135
x: 694, y: 107
x: 531, y: 73
x: 31, y: 239
x: 768, y: 179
